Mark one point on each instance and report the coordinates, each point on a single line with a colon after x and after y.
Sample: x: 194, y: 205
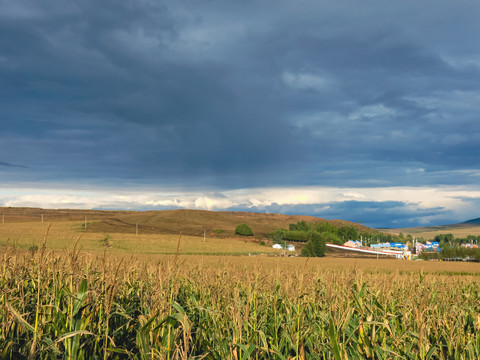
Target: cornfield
x: 77, y: 306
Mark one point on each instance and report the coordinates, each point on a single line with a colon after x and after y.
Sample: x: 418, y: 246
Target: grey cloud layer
x: 394, y: 214
x: 241, y: 94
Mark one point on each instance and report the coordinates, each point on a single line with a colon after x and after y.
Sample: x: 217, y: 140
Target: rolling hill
x: 187, y: 222
x: 469, y: 227
x: 472, y: 221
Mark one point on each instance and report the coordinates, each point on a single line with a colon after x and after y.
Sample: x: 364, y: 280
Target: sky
x: 363, y: 111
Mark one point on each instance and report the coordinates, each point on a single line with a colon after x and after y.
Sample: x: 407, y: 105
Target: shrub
x: 296, y: 235
x: 243, y: 230
x: 331, y: 238
x: 308, y: 250
x: 278, y: 236
x: 106, y: 241
x: 429, y: 255
x: 33, y: 249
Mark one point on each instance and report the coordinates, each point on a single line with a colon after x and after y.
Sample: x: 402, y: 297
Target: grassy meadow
x: 154, y: 297
x: 62, y: 234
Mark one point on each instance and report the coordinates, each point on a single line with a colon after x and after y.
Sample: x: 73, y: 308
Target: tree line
x: 451, y: 240
x: 315, y: 236
x: 452, y: 249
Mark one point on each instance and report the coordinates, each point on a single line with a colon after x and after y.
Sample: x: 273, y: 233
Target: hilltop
x: 472, y: 221
x: 187, y: 222
x: 469, y: 227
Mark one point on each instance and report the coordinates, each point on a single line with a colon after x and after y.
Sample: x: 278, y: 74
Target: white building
x: 288, y: 247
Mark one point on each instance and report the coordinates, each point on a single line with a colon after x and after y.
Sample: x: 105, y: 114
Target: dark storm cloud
x: 385, y: 214
x: 238, y: 95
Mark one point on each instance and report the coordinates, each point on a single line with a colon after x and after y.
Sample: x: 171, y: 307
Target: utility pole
x: 136, y: 229
x: 42, y: 218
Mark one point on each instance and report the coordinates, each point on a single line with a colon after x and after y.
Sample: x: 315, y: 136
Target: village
x: 404, y: 251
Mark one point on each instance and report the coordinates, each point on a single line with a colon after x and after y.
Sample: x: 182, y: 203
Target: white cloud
x: 170, y: 203
x: 462, y: 202
x: 354, y: 195
x: 212, y: 203
x: 372, y: 111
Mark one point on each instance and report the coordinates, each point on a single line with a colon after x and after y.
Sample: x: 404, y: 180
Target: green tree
x: 348, y: 232
x: 318, y: 244
x: 331, y: 238
x: 308, y: 250
x: 300, y: 226
x: 315, y: 246
x: 327, y: 227
x: 449, y: 238
x: 278, y: 236
x: 243, y: 230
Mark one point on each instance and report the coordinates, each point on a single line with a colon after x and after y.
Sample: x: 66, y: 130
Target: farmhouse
x: 353, y: 243
x: 287, y: 247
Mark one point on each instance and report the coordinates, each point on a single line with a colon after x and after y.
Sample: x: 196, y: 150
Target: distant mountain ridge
x: 461, y: 230
x: 473, y: 221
